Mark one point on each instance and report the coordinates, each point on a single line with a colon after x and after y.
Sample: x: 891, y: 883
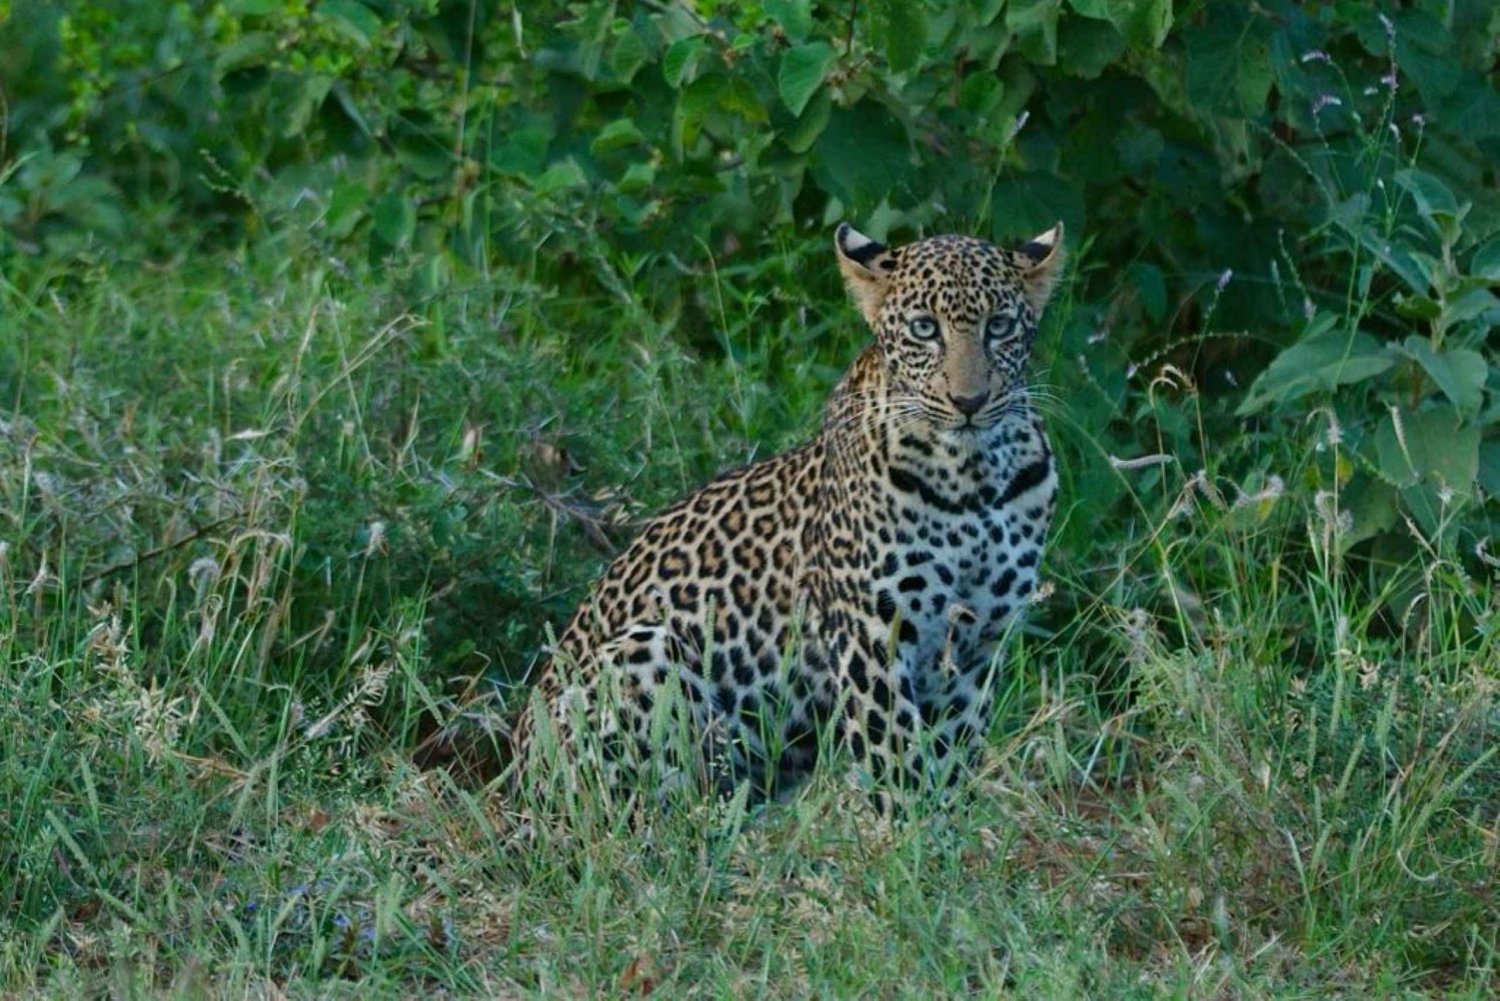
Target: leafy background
x: 1291, y: 209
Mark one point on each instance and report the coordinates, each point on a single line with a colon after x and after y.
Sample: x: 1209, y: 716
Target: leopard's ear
x: 866, y: 265
x: 1041, y: 260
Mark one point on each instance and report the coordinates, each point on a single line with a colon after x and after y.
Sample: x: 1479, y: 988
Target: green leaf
x: 1468, y: 304
x: 1424, y: 52
x: 863, y: 158
x: 1148, y: 23
x: 681, y: 60
x: 793, y: 16
x: 1087, y: 48
x: 628, y: 55
x: 346, y: 208
x: 739, y: 96
x: 1435, y: 202
x: 311, y: 91
x: 618, y: 134
x: 1023, y: 205
x: 1371, y: 504
x: 1229, y: 62
x: 638, y: 177
x: 1316, y: 363
x: 255, y: 48
x: 522, y: 150
x: 1151, y: 288
x: 352, y: 19
x: 1417, y: 307
x: 1035, y: 25
x: 561, y: 176
x: 1429, y: 445
x: 1144, y: 23
x: 1432, y: 458
x: 395, y: 218
x: 254, y: 8
x: 1458, y: 372
x: 802, y: 72
x: 800, y: 137
x: 904, y: 25
x: 1486, y: 262
x: 1489, y: 467
x: 423, y: 153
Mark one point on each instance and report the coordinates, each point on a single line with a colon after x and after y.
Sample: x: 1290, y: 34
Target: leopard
x: 853, y: 592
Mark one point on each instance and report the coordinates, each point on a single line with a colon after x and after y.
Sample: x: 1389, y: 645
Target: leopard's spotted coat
x: 865, y: 578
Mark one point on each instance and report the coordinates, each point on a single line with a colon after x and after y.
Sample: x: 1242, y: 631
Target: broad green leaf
x: 1229, y: 62
x: 981, y: 94
x: 800, y: 137
x: 1433, y: 459
x: 628, y: 55
x: 1486, y: 262
x: 1023, y: 205
x: 1424, y: 52
x: 1035, y: 25
x: 794, y: 17
x: 681, y: 61
x: 1417, y: 307
x: 395, y: 218
x: 1372, y: 506
x: 522, y: 150
x: 617, y: 134
x: 426, y: 155
x: 1458, y: 372
x: 352, y: 19
x: 1150, y: 288
x: 740, y: 97
x: 561, y: 176
x: 1435, y: 202
x: 1148, y: 23
x: 346, y: 207
x: 311, y: 91
x: 802, y: 71
x: 1468, y: 304
x: 638, y: 177
x: 1489, y: 468
x: 1103, y: 10
x: 1317, y: 363
x: 255, y: 48
x: 1144, y: 23
x: 863, y: 158
x: 905, y: 30
x: 1429, y: 446
x: 1087, y: 48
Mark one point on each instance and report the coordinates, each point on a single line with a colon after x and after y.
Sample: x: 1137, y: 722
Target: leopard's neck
x: 866, y: 434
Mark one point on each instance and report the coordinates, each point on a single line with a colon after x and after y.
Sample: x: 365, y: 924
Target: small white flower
x: 1325, y: 101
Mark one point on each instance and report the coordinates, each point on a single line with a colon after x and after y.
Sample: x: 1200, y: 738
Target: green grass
x: 267, y: 524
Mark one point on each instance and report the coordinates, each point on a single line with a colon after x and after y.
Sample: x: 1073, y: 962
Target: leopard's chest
x: 964, y: 541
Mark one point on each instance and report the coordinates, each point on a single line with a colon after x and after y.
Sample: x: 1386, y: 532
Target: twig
x: 152, y: 554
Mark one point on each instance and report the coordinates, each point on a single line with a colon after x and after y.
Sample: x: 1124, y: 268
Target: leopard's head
x: 955, y: 318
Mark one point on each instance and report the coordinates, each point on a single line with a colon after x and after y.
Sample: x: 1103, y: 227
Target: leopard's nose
x: 970, y: 405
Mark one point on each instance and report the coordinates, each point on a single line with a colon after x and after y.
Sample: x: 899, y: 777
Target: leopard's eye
x: 999, y: 327
x: 924, y: 328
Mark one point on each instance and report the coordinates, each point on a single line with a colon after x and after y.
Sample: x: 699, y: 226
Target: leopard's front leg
x: 880, y: 722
